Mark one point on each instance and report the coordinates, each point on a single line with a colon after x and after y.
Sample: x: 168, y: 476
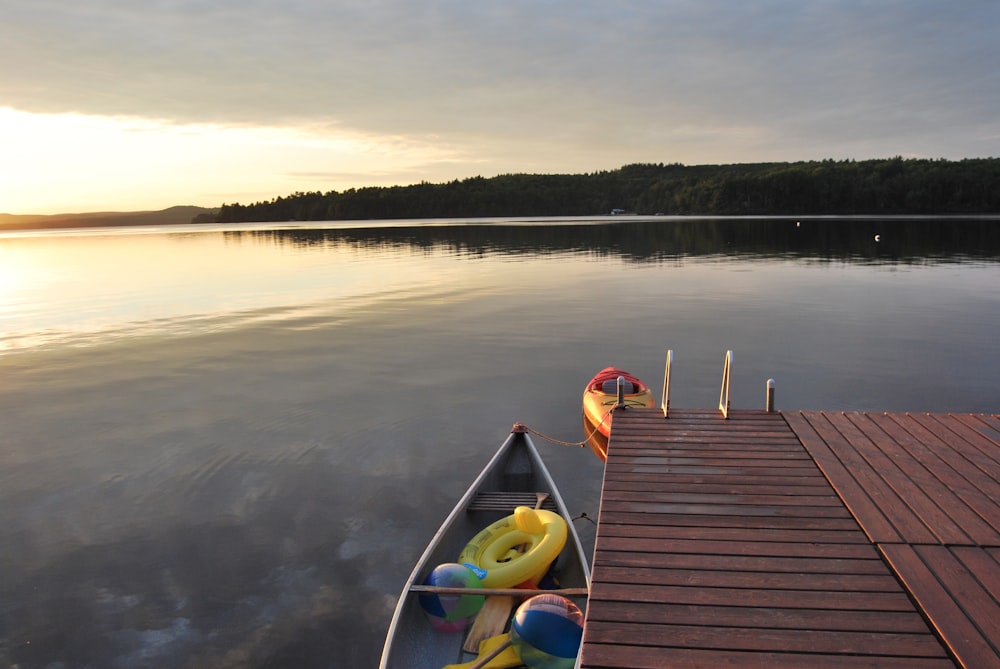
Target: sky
x: 127, y: 105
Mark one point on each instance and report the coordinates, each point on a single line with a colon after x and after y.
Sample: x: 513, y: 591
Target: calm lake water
x: 226, y: 447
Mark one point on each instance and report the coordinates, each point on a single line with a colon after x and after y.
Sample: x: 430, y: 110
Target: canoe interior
x: 513, y: 477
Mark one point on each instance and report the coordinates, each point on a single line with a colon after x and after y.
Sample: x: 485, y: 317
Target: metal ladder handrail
x: 665, y: 400
x: 769, y: 404
x: 724, y: 392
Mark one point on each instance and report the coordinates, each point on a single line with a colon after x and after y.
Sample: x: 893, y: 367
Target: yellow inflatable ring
x: 496, y: 550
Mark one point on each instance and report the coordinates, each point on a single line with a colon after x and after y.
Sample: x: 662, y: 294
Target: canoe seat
x: 506, y: 501
x: 610, y: 387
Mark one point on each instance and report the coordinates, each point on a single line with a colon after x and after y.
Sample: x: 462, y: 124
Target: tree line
x: 879, y: 187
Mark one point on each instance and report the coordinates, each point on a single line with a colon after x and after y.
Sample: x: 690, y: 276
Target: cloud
x: 539, y: 85
x: 400, y: 63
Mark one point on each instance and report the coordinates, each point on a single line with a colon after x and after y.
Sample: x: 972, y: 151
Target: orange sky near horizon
x: 71, y: 163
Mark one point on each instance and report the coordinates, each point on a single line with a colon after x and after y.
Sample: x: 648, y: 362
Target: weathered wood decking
x: 797, y: 539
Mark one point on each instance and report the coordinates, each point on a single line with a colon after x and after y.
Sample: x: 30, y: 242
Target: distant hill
x: 170, y: 216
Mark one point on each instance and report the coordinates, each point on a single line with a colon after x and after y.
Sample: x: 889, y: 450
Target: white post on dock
x: 621, y: 393
x: 769, y: 404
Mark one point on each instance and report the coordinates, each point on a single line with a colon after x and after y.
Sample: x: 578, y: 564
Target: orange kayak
x: 601, y: 395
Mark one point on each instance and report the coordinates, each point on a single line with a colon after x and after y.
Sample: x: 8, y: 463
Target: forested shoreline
x: 888, y: 186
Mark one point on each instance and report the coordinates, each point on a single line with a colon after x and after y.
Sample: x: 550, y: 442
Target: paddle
x: 496, y: 653
x: 492, y: 618
x: 490, y: 621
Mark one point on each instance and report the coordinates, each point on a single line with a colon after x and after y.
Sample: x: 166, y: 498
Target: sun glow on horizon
x: 70, y: 163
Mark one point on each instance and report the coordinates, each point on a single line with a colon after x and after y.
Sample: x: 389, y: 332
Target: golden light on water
x: 14, y: 274
x: 106, y: 284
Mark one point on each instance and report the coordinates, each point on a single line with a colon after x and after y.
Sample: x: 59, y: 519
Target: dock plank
x: 748, y: 546
x: 888, y: 622
x: 963, y: 481
x: 788, y: 641
x: 955, y: 627
x: 946, y: 446
x: 982, y: 563
x: 861, y: 505
x: 976, y: 445
x: 965, y: 586
x: 722, y: 543
x: 945, y: 468
x: 745, y: 563
x: 988, y: 426
x: 762, y: 598
x: 623, y: 524
x: 842, y: 521
x: 938, y: 481
x: 638, y: 506
x: 721, y: 578
x: 620, y: 656
x: 906, y: 526
x: 919, y: 518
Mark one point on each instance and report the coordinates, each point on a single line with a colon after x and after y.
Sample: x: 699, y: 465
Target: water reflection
x: 55, y: 288
x: 248, y: 480
x: 905, y: 240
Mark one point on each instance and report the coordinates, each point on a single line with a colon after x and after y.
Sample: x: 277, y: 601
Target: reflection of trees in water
x: 862, y: 240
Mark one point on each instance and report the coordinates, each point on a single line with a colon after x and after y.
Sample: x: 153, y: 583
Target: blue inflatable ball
x: 451, y: 613
x: 546, y: 632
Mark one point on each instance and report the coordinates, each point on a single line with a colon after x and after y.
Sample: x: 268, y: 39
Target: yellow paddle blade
x: 506, y: 659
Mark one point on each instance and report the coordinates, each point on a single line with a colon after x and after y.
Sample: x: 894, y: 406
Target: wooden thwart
x: 515, y: 592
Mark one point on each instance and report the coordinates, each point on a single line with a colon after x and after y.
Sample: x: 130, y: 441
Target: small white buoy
x: 798, y: 224
x: 877, y: 238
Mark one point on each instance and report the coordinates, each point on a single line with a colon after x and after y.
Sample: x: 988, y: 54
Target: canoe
x: 515, y: 478
x: 599, y: 400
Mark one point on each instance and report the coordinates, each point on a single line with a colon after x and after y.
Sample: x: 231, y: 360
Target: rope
x: 578, y: 444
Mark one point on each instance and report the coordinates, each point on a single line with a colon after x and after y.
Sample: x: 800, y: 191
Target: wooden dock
x: 797, y: 539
